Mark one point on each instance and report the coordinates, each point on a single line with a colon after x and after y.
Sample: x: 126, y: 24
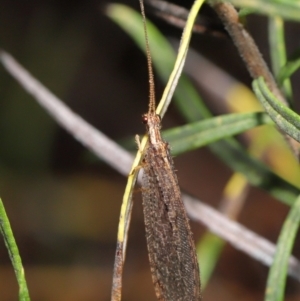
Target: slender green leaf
x: 197, y: 134
x: 244, y: 12
x: 278, y: 52
x: 290, y: 67
x: 208, y: 252
x: 277, y: 43
x: 256, y: 172
x: 278, y: 271
x: 180, y: 59
x: 13, y: 253
x: 286, y: 119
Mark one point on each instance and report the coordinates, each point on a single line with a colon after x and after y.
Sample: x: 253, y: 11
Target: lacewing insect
x: 171, y: 249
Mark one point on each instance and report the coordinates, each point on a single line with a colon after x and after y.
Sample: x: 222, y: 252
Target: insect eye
x: 144, y: 119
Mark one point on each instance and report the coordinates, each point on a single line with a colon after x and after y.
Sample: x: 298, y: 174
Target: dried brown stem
x: 250, y: 53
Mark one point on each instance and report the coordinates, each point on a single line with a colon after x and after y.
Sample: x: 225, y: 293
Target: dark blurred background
x: 62, y: 202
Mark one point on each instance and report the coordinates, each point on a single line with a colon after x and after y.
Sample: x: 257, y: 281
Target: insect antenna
x: 149, y: 63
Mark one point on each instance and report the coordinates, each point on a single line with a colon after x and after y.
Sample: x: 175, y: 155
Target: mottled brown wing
x: 173, y: 261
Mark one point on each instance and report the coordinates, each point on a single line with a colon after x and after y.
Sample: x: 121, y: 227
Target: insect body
x: 171, y: 249
x: 172, y: 254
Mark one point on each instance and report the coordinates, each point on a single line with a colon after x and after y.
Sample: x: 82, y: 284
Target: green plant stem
x: 209, y: 250
x: 278, y: 271
x: 13, y: 254
x: 286, y: 119
x: 278, y: 52
x: 290, y: 67
x: 194, y: 135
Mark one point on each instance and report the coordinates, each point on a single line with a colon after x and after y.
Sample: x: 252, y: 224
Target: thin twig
x: 94, y: 140
x: 250, y: 53
x: 177, y: 16
x: 239, y: 236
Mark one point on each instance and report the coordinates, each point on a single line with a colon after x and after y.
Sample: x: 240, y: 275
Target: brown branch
x: 85, y: 133
x: 250, y: 53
